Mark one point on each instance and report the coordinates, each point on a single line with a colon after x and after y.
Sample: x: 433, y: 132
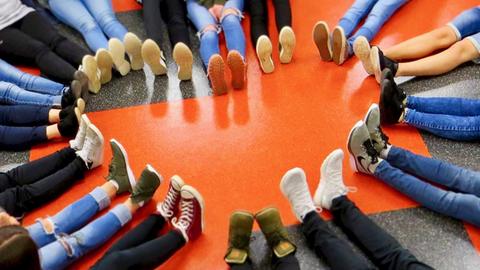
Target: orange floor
x: 235, y: 148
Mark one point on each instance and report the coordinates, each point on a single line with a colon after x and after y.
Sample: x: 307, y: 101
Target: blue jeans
x: 92, y: 18
x: 11, y: 74
x: 403, y: 170
x: 467, y: 25
x: 378, y: 11
x: 231, y: 25
x: 451, y: 118
x: 10, y: 94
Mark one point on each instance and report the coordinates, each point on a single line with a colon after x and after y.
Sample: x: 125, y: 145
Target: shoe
x: 275, y: 233
x: 387, y: 75
x: 331, y: 184
x: 216, y: 74
x: 287, y: 41
x: 92, y: 149
x: 117, y: 50
x: 105, y: 64
x: 89, y: 67
x: 239, y: 233
x: 73, y: 93
x: 372, y: 121
x: 68, y: 126
x: 133, y: 47
x: 380, y: 62
x: 83, y: 79
x: 295, y: 188
x: 146, y: 186
x: 339, y: 50
x: 321, y: 37
x: 169, y: 207
x: 153, y: 56
x: 77, y: 143
x: 119, y: 170
x: 182, y: 55
x: 191, y: 221
x: 361, y: 48
x: 65, y: 112
x: 392, y: 103
x: 363, y: 157
x: 264, y: 54
x: 237, y: 67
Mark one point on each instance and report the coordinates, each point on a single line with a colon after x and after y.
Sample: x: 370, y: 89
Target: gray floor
x: 439, y: 241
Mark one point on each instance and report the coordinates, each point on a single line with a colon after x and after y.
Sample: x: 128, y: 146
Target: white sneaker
x: 92, y: 150
x: 295, y: 188
x: 79, y: 140
x: 133, y: 47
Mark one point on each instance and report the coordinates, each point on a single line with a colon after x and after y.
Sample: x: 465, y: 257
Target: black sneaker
x: 73, y: 93
x: 381, y: 62
x: 387, y: 75
x: 68, y: 126
x: 391, y: 103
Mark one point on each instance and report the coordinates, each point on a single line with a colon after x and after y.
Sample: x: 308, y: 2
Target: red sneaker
x: 191, y: 221
x: 169, y: 207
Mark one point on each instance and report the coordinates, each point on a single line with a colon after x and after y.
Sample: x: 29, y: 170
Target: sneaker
x: 339, y: 50
x: 237, y: 67
x: 182, y: 55
x: 381, y: 62
x: 65, y: 112
x: 191, y: 221
x: 321, y: 37
x: 77, y: 143
x: 89, y: 67
x: 169, y: 207
x: 372, y: 121
x: 295, y: 188
x: 153, y: 56
x: 105, y: 64
x: 275, y: 233
x: 73, y: 93
x: 68, y: 126
x: 119, y: 170
x: 363, y: 157
x: 392, y: 103
x: 83, y: 79
x: 264, y: 54
x: 92, y: 149
x: 361, y: 48
x: 117, y: 50
x: 287, y: 41
x: 146, y: 186
x: 216, y: 74
x: 133, y: 47
x: 240, y: 230
x: 331, y: 184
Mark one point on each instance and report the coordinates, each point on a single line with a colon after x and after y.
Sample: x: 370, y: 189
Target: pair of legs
x: 34, y: 40
x: 11, y: 94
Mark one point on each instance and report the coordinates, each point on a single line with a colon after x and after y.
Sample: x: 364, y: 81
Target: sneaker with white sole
x: 153, y: 57
x: 89, y: 67
x: 361, y: 48
x: 321, y: 37
x: 133, y: 47
x: 104, y: 64
x: 146, y: 186
x: 295, y: 188
x: 182, y: 55
x: 363, y: 156
x: 92, y: 150
x: 119, y: 170
x: 190, y: 223
x: 169, y: 207
x: 264, y: 54
x: 372, y: 121
x: 339, y: 48
x: 117, y: 50
x: 287, y: 41
x: 77, y: 143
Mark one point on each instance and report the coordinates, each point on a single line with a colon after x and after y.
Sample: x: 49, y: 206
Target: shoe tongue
x: 283, y: 249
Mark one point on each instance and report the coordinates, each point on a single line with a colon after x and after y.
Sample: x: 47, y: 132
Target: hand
x: 216, y: 11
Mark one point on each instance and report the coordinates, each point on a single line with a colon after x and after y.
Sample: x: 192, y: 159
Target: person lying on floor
x: 372, y: 154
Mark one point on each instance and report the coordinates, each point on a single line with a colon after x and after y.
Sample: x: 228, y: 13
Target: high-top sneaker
x: 381, y: 62
x: 295, y: 188
x: 287, y: 42
x: 264, y: 49
x: 216, y: 74
x: 392, y: 103
x: 275, y: 233
x: 117, y: 50
x: 237, y: 66
x: 105, y: 64
x: 77, y: 143
x: 240, y: 230
x: 361, y: 48
x: 190, y: 223
x: 363, y: 156
x: 133, y: 47
x: 170, y: 206
x: 92, y: 150
x: 182, y: 55
x: 321, y: 37
x: 146, y: 186
x: 339, y: 48
x: 119, y: 170
x: 153, y: 57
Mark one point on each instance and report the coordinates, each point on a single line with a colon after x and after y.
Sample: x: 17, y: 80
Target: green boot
x: 146, y: 186
x: 241, y: 224
x: 119, y: 170
x: 274, y: 231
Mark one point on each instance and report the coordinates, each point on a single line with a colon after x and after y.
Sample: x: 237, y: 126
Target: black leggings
x: 33, y: 184
x: 33, y: 40
x: 288, y: 262
x: 259, y: 17
x: 174, y: 15
x: 384, y: 251
x: 141, y: 248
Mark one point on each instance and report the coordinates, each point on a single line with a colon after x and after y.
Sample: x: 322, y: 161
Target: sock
x: 384, y: 152
x: 115, y: 184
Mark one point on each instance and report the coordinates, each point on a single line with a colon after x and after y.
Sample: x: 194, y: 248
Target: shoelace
x: 187, y: 215
x: 169, y: 203
x: 371, y: 152
x: 87, y: 148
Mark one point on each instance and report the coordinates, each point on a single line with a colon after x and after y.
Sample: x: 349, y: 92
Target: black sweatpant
x: 35, y: 183
x: 140, y: 248
x: 288, y: 262
x: 259, y: 17
x: 174, y: 14
x: 33, y: 40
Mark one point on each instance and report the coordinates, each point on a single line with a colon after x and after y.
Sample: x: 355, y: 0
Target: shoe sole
x: 288, y: 42
x: 216, y: 74
x: 86, y: 120
x: 117, y: 50
x: 100, y: 136
x: 264, y: 54
x: 105, y: 65
x: 182, y: 55
x: 199, y: 198
x: 89, y: 67
x: 131, y: 176
x: 375, y: 59
x: 152, y: 55
x: 83, y: 79
x: 80, y: 104
x: 133, y: 47
x: 361, y: 48
x: 237, y: 67
x: 339, y: 46
x: 373, y: 106
x: 353, y: 163
x: 76, y: 88
x: 321, y: 37
x: 177, y: 182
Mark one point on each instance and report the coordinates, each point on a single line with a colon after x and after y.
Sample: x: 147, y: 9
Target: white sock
x: 384, y: 152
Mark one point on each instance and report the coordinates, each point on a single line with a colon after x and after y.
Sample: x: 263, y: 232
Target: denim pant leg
x: 465, y: 207
x: 444, y: 105
x: 103, y: 13
x: 232, y: 27
x: 13, y: 95
x: 90, y: 237
x: 354, y: 14
x: 70, y: 218
x: 21, y: 138
x: 467, y: 23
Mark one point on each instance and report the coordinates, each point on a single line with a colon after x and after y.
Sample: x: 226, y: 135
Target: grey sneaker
x: 119, y: 170
x: 363, y: 156
x: 146, y: 186
x: 372, y: 121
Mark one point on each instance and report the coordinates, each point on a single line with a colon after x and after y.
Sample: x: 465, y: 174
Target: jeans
x: 92, y: 18
x: 11, y: 74
x: 467, y: 25
x: 404, y: 170
x: 231, y: 25
x: 378, y: 11
x: 259, y: 17
x: 451, y: 118
x: 10, y: 94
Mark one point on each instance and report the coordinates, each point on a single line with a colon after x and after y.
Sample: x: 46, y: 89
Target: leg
x: 283, y: 13
x: 465, y: 207
x: 288, y: 262
x: 152, y: 19
x: 10, y: 94
x: 245, y: 266
x: 232, y: 27
x: 24, y: 115
x: 21, y: 138
x: 258, y: 19
x: 103, y: 13
x: 445, y: 105
x: 176, y: 20
x: 381, y: 247
x: 355, y: 13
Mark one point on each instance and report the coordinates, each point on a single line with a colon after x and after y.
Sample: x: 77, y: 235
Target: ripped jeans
x: 209, y: 28
x: 65, y: 242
